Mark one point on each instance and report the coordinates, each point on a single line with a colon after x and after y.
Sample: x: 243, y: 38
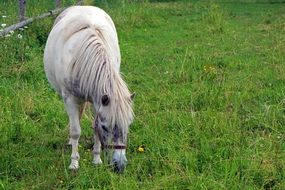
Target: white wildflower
x: 12, y: 32
x: 20, y: 36
x: 7, y: 35
x: 3, y: 25
x: 4, y: 16
x: 21, y: 29
x: 25, y: 27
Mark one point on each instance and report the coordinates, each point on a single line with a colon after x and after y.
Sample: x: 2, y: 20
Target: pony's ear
x: 105, y: 100
x: 133, y: 96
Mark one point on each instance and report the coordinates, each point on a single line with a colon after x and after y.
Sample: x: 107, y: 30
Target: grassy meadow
x: 210, y: 104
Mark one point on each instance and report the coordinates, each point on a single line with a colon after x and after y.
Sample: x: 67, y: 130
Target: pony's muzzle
x: 119, y: 161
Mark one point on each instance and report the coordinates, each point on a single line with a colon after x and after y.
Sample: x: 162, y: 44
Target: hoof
x: 74, y: 165
x: 97, y: 161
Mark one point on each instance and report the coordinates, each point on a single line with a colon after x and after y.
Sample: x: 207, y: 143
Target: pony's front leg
x: 96, y: 148
x: 72, y: 105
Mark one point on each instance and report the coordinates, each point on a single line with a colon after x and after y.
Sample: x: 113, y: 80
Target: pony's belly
x: 50, y: 74
x: 54, y: 68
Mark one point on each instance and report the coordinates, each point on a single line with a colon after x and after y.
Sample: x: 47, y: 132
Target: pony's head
x: 112, y: 122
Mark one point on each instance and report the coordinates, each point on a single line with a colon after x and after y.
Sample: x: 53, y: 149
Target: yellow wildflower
x: 141, y: 149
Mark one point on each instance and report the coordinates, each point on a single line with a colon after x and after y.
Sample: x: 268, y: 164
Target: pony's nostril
x: 118, y: 168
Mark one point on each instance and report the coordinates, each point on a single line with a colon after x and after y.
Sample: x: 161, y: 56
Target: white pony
x: 82, y: 61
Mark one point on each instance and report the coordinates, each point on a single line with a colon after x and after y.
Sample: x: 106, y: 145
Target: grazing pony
x: 82, y: 61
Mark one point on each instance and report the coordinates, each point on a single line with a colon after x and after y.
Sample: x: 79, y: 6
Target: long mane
x: 93, y: 74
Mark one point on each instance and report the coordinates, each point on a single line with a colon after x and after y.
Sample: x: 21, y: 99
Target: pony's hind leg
x: 72, y: 106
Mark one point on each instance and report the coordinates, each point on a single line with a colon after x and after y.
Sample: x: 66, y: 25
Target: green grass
x: 210, y: 106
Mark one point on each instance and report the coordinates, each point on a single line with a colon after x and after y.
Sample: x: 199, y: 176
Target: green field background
x: 210, y: 106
